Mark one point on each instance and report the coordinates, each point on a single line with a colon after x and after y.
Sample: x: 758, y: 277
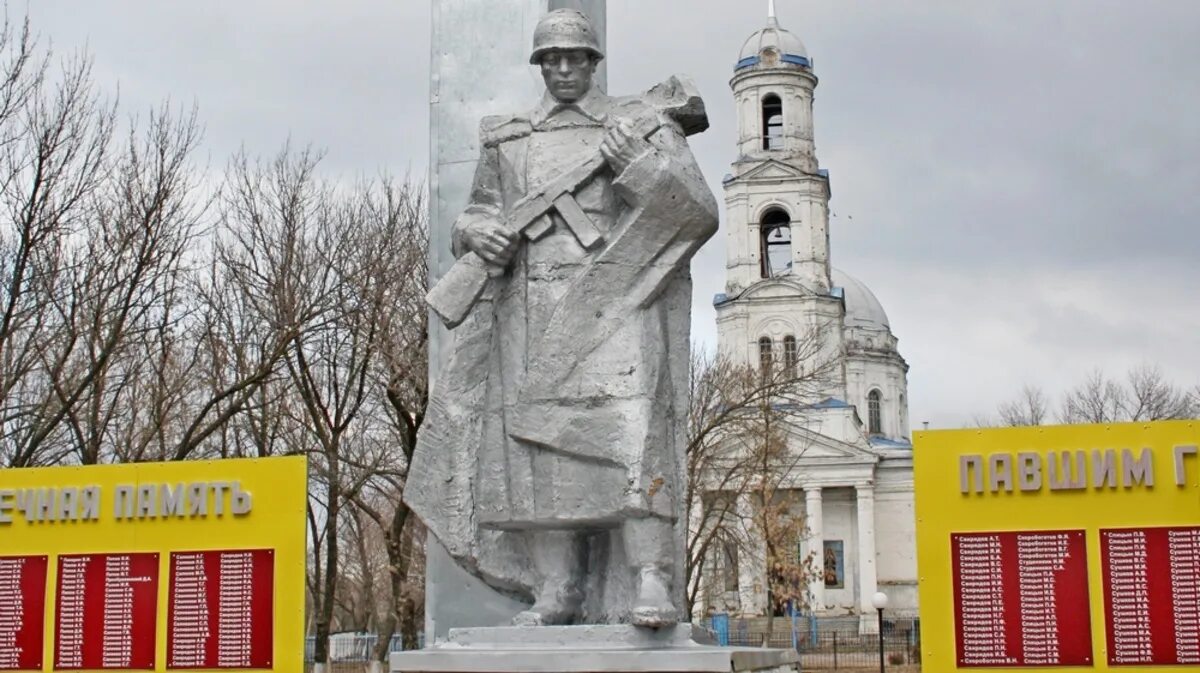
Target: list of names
x: 1021, y: 598
x: 1183, y: 547
x: 979, y: 585
x: 106, y: 611
x: 1128, y: 599
x: 1041, y: 559
x: 222, y: 609
x: 1152, y: 598
x: 188, y: 632
x: 22, y: 610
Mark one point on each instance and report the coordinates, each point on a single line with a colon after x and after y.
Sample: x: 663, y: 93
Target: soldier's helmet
x: 564, y: 29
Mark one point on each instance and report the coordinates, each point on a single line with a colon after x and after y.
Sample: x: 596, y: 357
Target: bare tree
x: 775, y: 518
x: 1152, y: 398
x: 1144, y: 395
x: 55, y: 135
x: 747, y: 434
x: 146, y: 317
x: 118, y: 384
x: 714, y: 475
x: 1098, y: 399
x: 401, y: 373
x: 112, y: 338
x: 309, y: 267
x: 356, y: 603
x: 341, y: 272
x: 1032, y: 407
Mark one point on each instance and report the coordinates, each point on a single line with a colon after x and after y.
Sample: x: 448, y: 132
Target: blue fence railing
x: 830, y: 643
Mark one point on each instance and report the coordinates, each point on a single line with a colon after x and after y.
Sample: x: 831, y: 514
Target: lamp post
x: 880, y: 601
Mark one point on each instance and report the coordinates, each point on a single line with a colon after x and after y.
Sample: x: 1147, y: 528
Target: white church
x: 855, y: 469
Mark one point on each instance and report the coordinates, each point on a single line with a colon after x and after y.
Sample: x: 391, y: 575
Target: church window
x: 775, y: 230
x: 789, y: 354
x: 764, y: 354
x: 772, y: 115
x: 874, y: 413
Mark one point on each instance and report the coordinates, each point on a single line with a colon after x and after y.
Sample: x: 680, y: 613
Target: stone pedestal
x: 589, y: 649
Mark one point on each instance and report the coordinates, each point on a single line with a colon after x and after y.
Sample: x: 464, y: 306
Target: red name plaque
x: 106, y: 611
x: 22, y: 611
x: 1152, y: 595
x: 1021, y: 599
x: 222, y: 610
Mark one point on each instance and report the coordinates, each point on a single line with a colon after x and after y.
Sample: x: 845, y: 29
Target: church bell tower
x: 778, y: 277
x: 776, y: 174
x: 786, y: 309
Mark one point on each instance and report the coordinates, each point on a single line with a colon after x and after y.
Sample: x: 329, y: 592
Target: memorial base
x: 589, y: 649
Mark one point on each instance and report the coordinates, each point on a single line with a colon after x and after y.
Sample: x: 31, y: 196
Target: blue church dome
x: 783, y: 42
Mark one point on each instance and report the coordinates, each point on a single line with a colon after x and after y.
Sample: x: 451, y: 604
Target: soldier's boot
x: 648, y: 546
x: 559, y: 558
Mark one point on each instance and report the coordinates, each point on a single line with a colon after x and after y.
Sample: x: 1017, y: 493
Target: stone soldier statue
x: 550, y: 459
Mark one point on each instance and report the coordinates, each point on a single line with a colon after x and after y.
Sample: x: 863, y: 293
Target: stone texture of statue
x: 550, y: 459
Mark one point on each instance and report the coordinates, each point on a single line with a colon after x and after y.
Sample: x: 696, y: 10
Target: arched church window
x: 789, y: 354
x: 764, y: 354
x: 775, y: 230
x: 874, y: 413
x: 772, y: 116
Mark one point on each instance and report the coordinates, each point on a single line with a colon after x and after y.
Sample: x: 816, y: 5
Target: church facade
x: 852, y: 478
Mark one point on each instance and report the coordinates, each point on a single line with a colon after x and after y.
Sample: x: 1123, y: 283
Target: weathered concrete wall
x: 479, y: 66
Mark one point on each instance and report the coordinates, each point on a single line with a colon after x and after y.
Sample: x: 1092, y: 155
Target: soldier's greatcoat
x: 563, y: 401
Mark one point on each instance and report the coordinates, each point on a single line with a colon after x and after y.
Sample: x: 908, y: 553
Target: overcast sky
x: 1023, y: 176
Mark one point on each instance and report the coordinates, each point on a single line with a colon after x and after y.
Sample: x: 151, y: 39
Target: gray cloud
x: 1017, y: 181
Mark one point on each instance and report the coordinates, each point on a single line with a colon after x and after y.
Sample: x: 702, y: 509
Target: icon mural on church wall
x: 835, y: 576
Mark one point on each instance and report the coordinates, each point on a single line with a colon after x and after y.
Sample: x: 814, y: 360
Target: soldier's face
x: 568, y: 74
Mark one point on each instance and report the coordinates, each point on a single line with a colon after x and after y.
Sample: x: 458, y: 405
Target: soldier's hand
x: 492, y: 241
x: 621, y: 146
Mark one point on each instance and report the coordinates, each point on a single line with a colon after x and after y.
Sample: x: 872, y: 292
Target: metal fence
x: 829, y: 643
x: 350, y: 647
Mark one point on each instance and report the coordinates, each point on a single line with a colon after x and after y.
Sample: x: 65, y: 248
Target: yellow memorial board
x: 1060, y: 547
x: 195, y: 565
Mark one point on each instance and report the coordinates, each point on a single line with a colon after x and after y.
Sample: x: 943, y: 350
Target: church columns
x: 752, y: 565
x: 704, y: 582
x: 867, y: 582
x: 816, y: 546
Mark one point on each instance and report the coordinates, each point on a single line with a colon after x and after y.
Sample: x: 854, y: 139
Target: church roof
x: 790, y: 48
x: 862, y: 308
x: 885, y: 443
